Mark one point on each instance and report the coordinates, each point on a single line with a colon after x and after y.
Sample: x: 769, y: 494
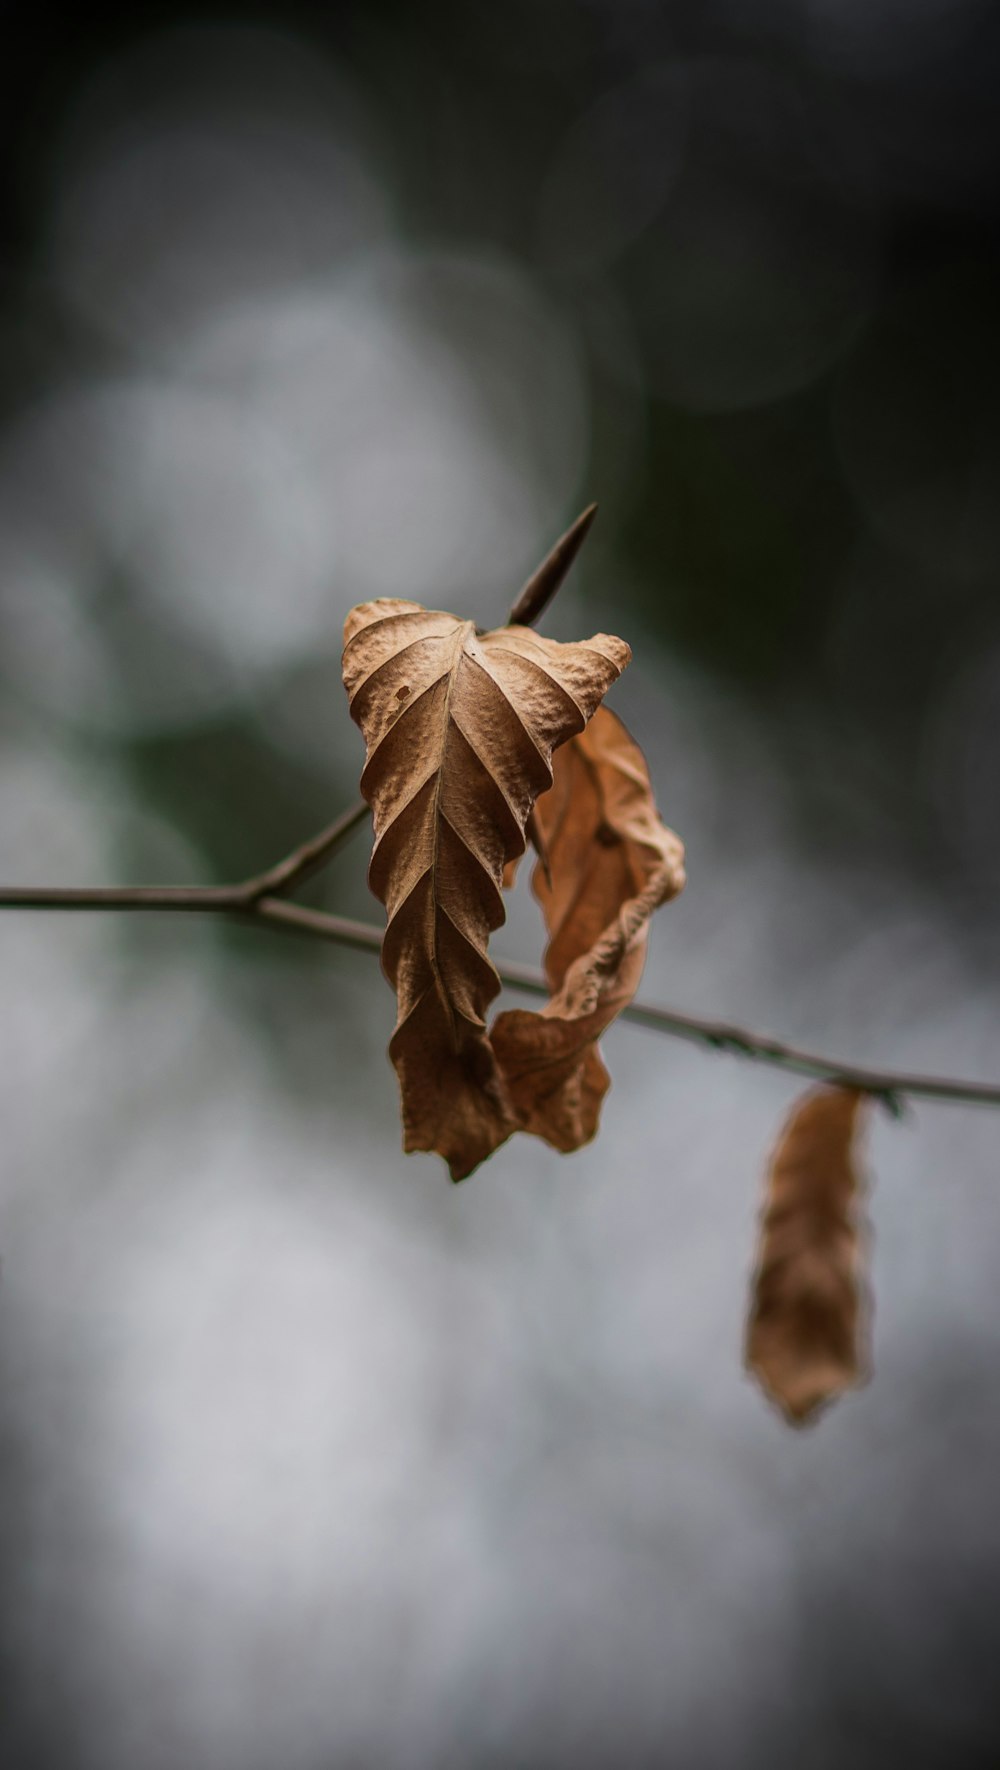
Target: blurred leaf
x: 803, y: 1335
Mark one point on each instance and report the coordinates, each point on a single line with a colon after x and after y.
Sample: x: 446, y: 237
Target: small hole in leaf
x: 401, y: 693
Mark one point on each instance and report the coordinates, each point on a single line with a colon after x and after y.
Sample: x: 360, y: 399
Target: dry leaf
x: 611, y: 862
x: 805, y: 1326
x: 460, y: 729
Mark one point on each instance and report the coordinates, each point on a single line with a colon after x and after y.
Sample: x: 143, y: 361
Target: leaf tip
x: 543, y: 583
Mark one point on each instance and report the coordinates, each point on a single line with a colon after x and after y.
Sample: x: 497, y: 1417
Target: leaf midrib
x: 461, y: 637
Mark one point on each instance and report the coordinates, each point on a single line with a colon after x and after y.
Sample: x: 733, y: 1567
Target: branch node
x: 303, y: 861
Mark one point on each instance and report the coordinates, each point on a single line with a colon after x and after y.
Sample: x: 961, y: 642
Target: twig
x: 125, y: 897
x: 287, y: 873
x: 250, y: 903
x: 341, y: 929
x: 309, y: 859
x: 888, y: 1085
x: 543, y: 584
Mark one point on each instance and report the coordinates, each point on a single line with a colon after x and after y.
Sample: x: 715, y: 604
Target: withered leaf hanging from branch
x: 608, y: 863
x: 807, y: 1309
x: 460, y: 729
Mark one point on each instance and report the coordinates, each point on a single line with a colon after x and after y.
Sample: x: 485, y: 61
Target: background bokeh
x: 306, y: 1457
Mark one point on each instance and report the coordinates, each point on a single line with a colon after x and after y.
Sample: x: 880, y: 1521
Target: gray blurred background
x: 308, y: 1458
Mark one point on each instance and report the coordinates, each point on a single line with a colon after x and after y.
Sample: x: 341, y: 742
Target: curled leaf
x: 460, y: 729
x: 610, y: 863
x: 805, y: 1325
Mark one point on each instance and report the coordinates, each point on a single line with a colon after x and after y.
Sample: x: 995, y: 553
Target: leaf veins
x: 460, y: 730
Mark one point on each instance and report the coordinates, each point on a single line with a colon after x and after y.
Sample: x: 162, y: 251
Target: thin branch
x: 303, y: 862
x: 888, y: 1085
x: 246, y: 901
x: 543, y: 584
x: 340, y: 929
x: 126, y: 897
x: 283, y: 876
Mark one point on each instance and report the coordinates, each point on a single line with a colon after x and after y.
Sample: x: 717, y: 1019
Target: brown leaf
x: 460, y: 730
x: 804, y: 1334
x: 611, y: 862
